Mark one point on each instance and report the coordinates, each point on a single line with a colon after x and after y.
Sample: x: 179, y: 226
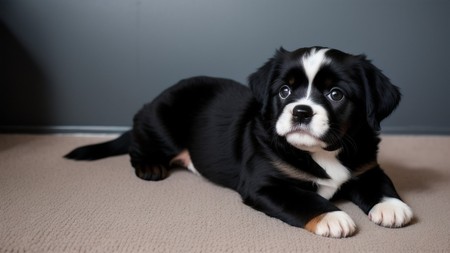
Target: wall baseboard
x: 397, y: 130
x: 415, y: 130
x: 64, y: 129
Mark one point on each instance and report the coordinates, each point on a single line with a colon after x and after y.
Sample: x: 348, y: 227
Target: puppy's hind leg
x: 150, y: 163
x: 154, y: 143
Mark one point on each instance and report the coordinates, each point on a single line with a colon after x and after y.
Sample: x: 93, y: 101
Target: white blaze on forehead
x: 312, y: 62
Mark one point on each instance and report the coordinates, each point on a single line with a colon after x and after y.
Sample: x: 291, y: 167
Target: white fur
x: 312, y: 63
x: 303, y: 136
x: 337, y: 172
x: 336, y: 224
x: 391, y: 212
x: 191, y: 168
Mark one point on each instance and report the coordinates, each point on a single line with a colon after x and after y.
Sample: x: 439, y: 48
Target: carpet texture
x: 49, y: 204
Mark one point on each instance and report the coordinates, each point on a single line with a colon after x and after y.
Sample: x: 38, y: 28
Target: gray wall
x: 95, y: 62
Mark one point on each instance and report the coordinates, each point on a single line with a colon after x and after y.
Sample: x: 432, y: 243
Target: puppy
x: 304, y: 133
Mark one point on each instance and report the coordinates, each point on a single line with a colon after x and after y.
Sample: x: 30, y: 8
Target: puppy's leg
x: 154, y: 143
x: 391, y: 212
x: 145, y: 167
x: 303, y: 209
x: 335, y: 224
x: 375, y: 194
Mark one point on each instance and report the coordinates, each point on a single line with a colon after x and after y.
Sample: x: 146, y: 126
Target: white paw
x: 335, y: 224
x: 391, y: 212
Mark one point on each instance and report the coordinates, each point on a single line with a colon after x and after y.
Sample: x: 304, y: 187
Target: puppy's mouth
x: 301, y: 130
x: 304, y: 139
x: 303, y: 124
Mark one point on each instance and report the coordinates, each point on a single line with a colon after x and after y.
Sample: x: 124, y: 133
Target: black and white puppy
x: 304, y: 133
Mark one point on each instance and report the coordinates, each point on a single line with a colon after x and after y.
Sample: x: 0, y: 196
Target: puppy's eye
x: 335, y: 94
x: 285, y: 91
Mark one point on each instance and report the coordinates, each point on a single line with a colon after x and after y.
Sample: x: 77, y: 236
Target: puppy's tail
x: 114, y: 147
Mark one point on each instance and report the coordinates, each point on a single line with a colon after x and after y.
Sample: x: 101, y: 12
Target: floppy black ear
x: 382, y: 97
x: 259, y: 82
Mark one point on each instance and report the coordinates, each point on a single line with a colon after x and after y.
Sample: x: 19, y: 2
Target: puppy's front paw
x: 335, y: 224
x: 391, y: 212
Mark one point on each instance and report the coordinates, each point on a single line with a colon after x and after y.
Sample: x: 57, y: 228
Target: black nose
x: 302, y: 114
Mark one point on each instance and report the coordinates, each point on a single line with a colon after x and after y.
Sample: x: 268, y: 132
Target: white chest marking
x: 337, y: 172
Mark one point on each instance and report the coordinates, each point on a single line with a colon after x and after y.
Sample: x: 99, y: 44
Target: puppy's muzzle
x: 302, y: 114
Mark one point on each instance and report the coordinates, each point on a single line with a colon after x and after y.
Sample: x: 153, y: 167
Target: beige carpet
x: 49, y: 204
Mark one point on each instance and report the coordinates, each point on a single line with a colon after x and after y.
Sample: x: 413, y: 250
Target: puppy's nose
x: 302, y: 114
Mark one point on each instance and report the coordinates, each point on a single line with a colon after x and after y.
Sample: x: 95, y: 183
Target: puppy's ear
x: 382, y: 97
x: 259, y: 82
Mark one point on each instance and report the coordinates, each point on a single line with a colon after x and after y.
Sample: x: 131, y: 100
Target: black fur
x: 229, y: 131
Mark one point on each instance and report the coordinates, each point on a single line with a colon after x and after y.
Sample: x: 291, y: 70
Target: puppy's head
x: 314, y: 97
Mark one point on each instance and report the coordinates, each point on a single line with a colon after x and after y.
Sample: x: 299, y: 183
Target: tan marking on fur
x: 183, y: 159
x: 293, y: 172
x: 328, y: 82
x: 364, y: 168
x: 291, y: 81
x: 311, y: 226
